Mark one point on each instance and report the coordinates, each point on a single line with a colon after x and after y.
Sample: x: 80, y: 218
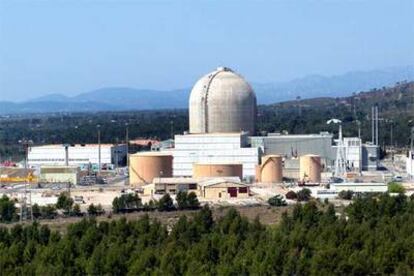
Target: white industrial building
x: 214, y: 148
x: 222, y: 117
x: 360, y: 187
x: 77, y: 154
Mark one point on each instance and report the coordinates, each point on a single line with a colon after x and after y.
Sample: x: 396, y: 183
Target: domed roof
x: 222, y: 101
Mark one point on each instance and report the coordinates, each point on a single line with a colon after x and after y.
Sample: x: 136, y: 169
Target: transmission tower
x: 26, y: 202
x: 340, y: 162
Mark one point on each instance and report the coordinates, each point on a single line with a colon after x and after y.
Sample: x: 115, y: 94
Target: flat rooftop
x: 75, y: 145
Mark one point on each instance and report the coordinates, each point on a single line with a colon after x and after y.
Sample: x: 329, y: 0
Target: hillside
x: 395, y: 105
x: 125, y: 98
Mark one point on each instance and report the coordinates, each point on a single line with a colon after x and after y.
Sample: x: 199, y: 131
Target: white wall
x: 212, y: 148
x: 78, y: 155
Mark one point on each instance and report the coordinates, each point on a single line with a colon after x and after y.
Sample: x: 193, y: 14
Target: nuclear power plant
x: 222, y: 142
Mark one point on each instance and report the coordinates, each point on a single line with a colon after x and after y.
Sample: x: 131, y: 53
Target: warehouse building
x: 60, y: 174
x: 79, y: 155
x: 223, y: 189
x: 171, y: 185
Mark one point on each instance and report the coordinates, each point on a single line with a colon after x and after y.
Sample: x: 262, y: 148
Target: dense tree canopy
x: 373, y: 236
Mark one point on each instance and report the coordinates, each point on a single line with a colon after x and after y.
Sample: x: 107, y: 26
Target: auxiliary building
x: 78, y: 155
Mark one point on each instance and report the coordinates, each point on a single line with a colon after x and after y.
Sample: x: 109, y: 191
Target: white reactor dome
x: 222, y: 101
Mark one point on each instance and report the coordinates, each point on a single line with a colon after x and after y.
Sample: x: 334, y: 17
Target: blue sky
x: 71, y: 47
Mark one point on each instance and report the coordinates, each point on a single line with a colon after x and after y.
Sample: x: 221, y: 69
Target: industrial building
x: 221, y: 142
x: 359, y: 156
x: 60, y: 174
x: 360, y: 187
x: 79, y: 154
x: 209, y: 188
x: 214, y: 148
x: 171, y: 185
x: 223, y: 189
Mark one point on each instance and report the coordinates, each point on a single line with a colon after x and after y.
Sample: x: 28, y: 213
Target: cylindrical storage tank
x: 144, y: 166
x: 310, y: 168
x: 201, y: 170
x: 271, y: 169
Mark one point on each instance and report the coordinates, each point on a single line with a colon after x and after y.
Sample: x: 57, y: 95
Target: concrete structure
x: 145, y: 166
x: 310, y: 168
x: 171, y: 185
x: 78, y: 154
x: 60, y: 174
x: 222, y: 101
x: 410, y: 164
x: 360, y: 187
x: 223, y: 189
x: 359, y: 155
x: 370, y: 157
x: 271, y: 169
x: 214, y: 148
x: 201, y: 170
x: 293, y: 146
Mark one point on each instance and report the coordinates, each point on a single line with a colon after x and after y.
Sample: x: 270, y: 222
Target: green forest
x: 373, y: 235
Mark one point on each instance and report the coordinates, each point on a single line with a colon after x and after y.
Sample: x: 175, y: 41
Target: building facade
x: 77, y: 154
x: 214, y: 148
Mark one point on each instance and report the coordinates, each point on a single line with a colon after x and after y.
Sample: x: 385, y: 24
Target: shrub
x: 192, y: 201
x: 277, y: 200
x: 7, y: 209
x: 304, y: 194
x: 64, y: 202
x: 291, y: 195
x: 394, y: 187
x: 126, y: 202
x: 346, y: 194
x: 165, y: 203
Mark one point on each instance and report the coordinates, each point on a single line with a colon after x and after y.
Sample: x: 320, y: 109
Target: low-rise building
x: 170, y: 185
x: 60, y: 174
x: 79, y: 154
x: 370, y: 187
x: 223, y: 189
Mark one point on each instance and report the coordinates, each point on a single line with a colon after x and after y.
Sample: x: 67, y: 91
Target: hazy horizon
x: 67, y: 48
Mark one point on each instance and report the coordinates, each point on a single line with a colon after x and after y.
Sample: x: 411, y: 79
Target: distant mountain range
x: 124, y: 98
